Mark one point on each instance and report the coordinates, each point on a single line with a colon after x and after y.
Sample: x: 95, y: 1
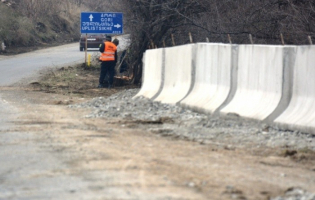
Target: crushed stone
x: 174, y: 120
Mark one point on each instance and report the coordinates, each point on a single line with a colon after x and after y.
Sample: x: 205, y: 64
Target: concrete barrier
x: 152, y: 73
x: 270, y: 83
x: 178, y: 73
x: 260, y: 84
x: 300, y: 114
x: 213, y: 77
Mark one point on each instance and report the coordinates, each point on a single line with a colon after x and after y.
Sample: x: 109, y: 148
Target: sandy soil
x: 140, y: 164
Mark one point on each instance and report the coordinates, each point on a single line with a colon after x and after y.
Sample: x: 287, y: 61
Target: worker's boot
x: 100, y: 86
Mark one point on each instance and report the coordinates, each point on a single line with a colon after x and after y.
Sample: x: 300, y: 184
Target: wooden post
x: 152, y: 44
x: 282, y: 40
x: 190, y: 38
x: 207, y: 39
x: 229, y: 38
x: 173, y: 41
x: 251, y: 39
x: 310, y: 40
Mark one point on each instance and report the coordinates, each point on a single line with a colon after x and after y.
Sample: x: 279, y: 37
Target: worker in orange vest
x: 109, y: 59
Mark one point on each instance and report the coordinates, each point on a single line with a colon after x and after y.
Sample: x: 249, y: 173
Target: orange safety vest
x: 109, y: 52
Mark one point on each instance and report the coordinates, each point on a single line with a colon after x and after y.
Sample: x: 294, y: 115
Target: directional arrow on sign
x: 91, y: 17
x: 117, y: 26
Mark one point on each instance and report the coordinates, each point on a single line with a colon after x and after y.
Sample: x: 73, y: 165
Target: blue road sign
x: 110, y: 23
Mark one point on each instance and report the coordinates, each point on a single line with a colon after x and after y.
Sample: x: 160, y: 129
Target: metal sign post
x: 85, y: 49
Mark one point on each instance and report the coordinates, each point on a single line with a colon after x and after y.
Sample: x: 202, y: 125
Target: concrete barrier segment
x: 212, y: 77
x: 152, y: 73
x: 300, y: 114
x: 289, y: 56
x: 177, y: 74
x: 233, y: 80
x: 259, y: 82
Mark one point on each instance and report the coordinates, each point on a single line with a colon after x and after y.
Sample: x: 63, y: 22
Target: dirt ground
x: 77, y: 82
x: 147, y: 164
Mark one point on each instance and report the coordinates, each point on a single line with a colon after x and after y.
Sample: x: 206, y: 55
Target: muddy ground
x: 145, y: 165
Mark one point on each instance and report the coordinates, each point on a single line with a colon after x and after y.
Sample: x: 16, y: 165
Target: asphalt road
x: 19, y: 67
x: 15, y: 68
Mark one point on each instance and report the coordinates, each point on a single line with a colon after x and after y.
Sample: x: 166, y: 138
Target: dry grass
x: 78, y: 81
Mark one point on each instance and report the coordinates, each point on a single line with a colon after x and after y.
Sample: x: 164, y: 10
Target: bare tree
x: 151, y: 22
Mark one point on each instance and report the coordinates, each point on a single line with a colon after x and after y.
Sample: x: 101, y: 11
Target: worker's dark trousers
x: 107, y: 67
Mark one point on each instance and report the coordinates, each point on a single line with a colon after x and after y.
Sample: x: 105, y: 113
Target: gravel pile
x: 296, y: 194
x: 177, y: 121
x: 228, y: 132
